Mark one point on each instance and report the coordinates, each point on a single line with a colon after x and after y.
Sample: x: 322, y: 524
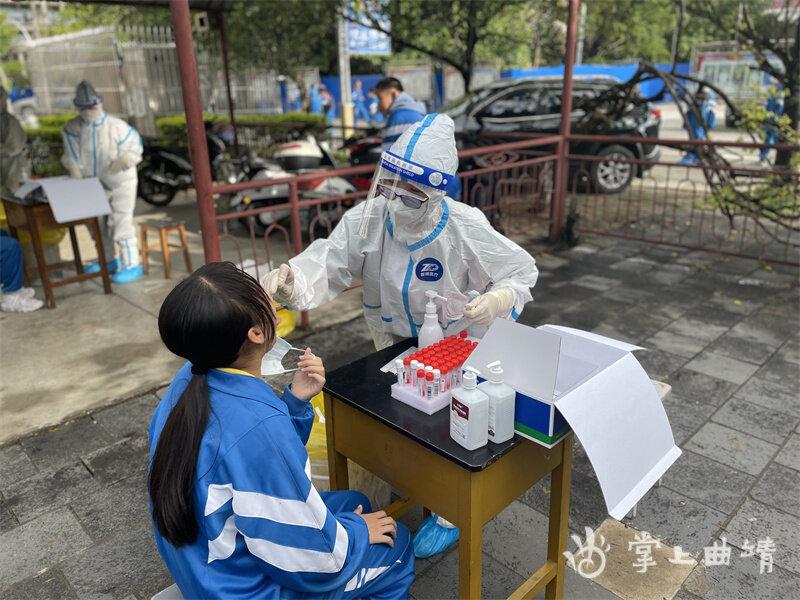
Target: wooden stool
x: 35, y: 218
x: 163, y: 228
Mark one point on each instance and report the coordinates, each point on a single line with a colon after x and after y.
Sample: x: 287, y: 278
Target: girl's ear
x: 256, y: 335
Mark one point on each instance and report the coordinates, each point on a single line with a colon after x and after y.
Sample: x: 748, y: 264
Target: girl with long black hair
x: 234, y: 511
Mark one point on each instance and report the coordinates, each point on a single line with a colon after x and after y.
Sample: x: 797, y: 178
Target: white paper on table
x: 389, y: 367
x: 70, y: 199
x: 621, y: 423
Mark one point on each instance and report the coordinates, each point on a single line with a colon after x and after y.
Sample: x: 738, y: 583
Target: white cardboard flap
x: 530, y: 357
x: 622, y: 425
x: 70, y: 199
x: 592, y: 336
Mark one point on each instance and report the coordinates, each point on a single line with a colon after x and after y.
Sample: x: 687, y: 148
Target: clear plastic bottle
x: 469, y: 413
x: 431, y: 331
x: 501, y: 404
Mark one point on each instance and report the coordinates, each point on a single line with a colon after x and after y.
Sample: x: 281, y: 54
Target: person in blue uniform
x: 360, y: 103
x: 401, y: 112
x: 774, y: 109
x: 701, y: 118
x: 234, y: 511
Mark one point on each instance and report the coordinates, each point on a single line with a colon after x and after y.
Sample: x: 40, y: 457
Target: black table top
x: 361, y: 384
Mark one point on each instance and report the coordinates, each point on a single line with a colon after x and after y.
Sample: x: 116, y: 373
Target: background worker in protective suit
x: 97, y: 144
x: 12, y: 148
x: 406, y: 238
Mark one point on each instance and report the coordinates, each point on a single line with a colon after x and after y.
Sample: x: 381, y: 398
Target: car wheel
x: 611, y: 174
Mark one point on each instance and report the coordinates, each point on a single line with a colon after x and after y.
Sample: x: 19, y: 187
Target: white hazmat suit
x: 100, y: 145
x: 443, y: 245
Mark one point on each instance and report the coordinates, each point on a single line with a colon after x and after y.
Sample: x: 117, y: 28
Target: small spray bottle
x: 431, y: 331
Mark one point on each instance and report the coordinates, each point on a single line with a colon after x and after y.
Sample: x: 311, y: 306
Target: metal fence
x: 694, y: 206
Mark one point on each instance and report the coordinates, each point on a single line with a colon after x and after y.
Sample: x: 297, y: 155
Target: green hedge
x: 172, y: 130
x: 45, y: 148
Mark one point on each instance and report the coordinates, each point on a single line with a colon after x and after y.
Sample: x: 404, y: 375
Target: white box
x: 566, y: 378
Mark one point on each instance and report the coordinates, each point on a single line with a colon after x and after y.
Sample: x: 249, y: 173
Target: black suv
x: 533, y: 105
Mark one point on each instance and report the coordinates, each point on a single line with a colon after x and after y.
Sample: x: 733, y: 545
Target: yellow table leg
x: 337, y: 462
x: 559, y: 519
x: 470, y: 557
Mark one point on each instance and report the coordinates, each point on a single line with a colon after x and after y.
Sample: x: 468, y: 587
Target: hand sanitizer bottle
x: 431, y: 331
x: 469, y: 413
x: 502, y: 399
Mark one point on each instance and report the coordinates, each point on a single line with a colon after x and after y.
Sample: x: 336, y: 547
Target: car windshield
x: 458, y: 105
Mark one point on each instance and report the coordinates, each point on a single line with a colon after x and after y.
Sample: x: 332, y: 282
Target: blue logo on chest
x: 429, y: 269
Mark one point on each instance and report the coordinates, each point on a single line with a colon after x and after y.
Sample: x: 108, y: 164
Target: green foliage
x: 47, y: 121
x: 283, y: 34
x: 45, y: 148
x: 7, y: 34
x: 16, y: 73
x: 172, y: 130
x: 460, y: 32
x: 74, y: 17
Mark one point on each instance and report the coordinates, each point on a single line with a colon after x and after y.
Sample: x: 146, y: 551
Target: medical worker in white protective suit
x: 97, y: 144
x: 408, y: 237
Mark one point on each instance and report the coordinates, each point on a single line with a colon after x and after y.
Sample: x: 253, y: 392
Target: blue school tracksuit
x: 264, y: 531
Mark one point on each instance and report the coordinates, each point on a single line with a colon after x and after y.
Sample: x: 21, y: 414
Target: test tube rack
x: 447, y: 357
x: 429, y: 406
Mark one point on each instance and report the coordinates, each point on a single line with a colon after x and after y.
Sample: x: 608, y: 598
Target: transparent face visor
x: 400, y: 180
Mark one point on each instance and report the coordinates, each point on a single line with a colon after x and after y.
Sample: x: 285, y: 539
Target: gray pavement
x: 724, y: 332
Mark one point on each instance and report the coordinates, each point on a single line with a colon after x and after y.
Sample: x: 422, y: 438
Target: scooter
x: 363, y: 151
x: 165, y: 171
x: 294, y: 158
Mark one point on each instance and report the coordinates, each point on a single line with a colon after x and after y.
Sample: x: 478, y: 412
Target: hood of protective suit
x: 407, y: 102
x: 430, y: 143
x: 86, y: 96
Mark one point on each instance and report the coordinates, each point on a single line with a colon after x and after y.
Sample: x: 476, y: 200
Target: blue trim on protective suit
x: 412, y: 143
x: 435, y: 233
x: 127, y: 135
x: 389, y: 226
x: 372, y: 305
x: 406, y: 304
x: 514, y: 314
x: 386, y: 319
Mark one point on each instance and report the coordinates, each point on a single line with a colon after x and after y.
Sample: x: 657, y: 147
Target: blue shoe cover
x: 128, y: 275
x: 94, y: 267
x: 433, y: 538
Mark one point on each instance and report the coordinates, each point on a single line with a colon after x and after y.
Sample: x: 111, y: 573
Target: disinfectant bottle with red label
x: 469, y: 413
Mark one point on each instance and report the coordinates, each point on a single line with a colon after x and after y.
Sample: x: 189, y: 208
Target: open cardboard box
x: 567, y: 378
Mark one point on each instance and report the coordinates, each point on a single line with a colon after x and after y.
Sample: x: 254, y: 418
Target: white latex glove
x: 75, y: 172
x: 484, y: 309
x: 279, y: 284
x: 120, y: 164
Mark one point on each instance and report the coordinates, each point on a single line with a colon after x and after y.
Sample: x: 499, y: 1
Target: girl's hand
x: 309, y: 377
x: 382, y: 528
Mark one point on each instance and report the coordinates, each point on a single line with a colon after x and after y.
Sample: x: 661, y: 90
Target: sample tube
x: 401, y: 372
x: 421, y: 382
x: 429, y: 386
x: 437, y: 382
x: 414, y: 368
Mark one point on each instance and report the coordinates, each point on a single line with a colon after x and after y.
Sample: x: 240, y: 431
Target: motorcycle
x: 165, y: 171
x: 295, y: 158
x: 363, y: 151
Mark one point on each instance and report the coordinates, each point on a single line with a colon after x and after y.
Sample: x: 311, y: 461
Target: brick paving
x: 724, y: 332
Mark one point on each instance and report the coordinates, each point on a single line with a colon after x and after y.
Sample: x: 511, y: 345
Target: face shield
x: 403, y: 184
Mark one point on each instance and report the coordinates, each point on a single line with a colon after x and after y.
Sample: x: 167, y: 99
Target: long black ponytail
x: 205, y: 319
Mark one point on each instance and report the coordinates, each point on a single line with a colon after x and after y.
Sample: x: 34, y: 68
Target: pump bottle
x: 469, y: 413
x: 431, y: 331
x: 501, y: 404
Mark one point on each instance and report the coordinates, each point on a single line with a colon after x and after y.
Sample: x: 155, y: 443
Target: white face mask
x: 272, y: 363
x: 92, y: 115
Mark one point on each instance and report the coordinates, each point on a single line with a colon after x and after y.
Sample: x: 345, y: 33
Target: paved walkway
x: 725, y: 333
